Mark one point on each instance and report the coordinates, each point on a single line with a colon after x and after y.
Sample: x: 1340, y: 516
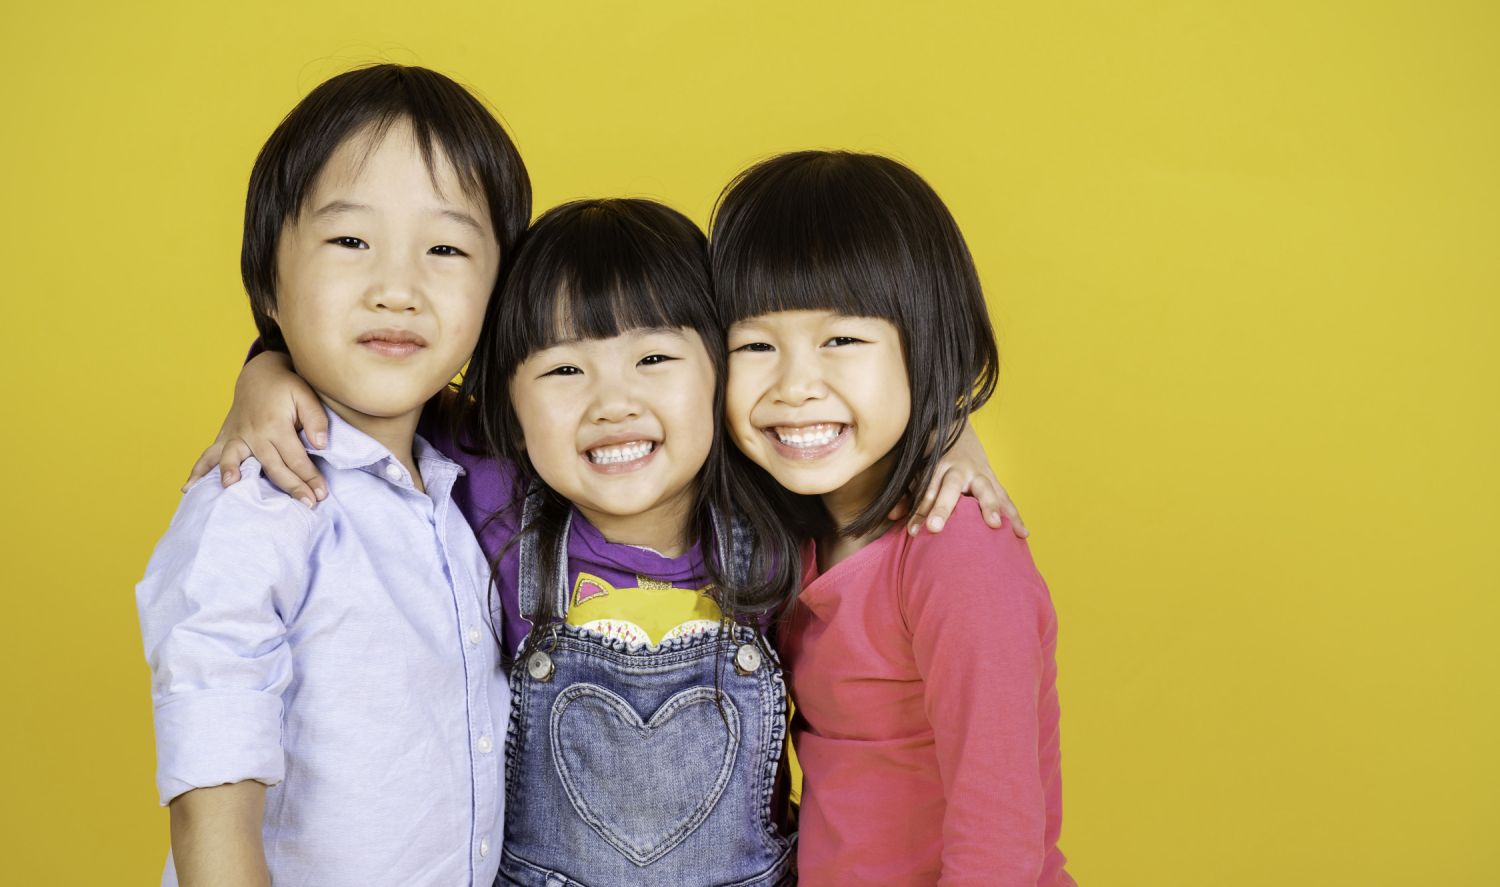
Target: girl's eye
x: 652, y: 360
x: 836, y: 341
x: 760, y: 347
x: 445, y: 250
x: 564, y: 371
x: 349, y: 243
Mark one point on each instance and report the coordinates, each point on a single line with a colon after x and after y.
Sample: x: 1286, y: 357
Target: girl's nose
x: 800, y: 382
x: 615, y: 403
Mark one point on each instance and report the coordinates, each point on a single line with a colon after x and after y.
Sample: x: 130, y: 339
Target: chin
x: 386, y: 407
x: 805, y: 486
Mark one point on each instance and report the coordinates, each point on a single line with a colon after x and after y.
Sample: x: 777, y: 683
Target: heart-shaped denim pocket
x: 643, y: 786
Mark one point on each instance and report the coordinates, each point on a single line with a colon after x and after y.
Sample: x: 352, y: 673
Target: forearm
x: 216, y: 836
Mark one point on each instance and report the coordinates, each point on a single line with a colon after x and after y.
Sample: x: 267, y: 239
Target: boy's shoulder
x: 252, y: 501
x: 246, y: 533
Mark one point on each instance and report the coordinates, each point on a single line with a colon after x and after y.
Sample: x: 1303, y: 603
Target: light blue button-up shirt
x: 342, y: 656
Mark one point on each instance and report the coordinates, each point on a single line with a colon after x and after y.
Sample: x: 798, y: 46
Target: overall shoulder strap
x: 529, y: 579
x: 732, y: 543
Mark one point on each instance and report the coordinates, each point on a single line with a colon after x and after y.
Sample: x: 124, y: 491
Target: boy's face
x: 621, y: 427
x: 383, y: 278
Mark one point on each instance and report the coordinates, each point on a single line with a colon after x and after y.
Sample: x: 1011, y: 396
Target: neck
x: 395, y: 433
x: 664, y: 528
x: 847, y: 503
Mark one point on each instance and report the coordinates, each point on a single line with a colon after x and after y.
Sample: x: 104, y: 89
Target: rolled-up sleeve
x: 214, y: 604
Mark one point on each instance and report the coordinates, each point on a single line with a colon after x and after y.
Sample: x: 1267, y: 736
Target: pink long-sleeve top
x: 924, y: 674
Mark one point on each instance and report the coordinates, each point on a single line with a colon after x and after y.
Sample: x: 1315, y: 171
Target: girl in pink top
x: 922, y: 667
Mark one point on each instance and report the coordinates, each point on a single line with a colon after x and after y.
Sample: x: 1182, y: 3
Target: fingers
x: 900, y: 510
x: 231, y: 454
x: 205, y: 462
x: 995, y: 503
x: 313, y: 419
x: 286, y: 466
x: 924, y: 504
x: 949, y: 490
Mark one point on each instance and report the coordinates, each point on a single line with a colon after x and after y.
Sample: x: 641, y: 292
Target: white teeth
x: 628, y: 452
x: 809, y: 436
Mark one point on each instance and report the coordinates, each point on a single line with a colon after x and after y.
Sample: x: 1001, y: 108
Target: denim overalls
x: 625, y: 765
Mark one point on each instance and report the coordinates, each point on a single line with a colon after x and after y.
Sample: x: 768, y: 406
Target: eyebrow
x: 341, y: 207
x: 462, y: 218
x: 338, y: 208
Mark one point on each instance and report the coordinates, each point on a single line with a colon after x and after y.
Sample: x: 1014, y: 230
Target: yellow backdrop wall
x: 1244, y: 265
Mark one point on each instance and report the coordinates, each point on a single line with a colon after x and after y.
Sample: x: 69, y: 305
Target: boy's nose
x: 397, y: 288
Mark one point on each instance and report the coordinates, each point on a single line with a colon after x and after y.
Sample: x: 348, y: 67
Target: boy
x: 328, y: 700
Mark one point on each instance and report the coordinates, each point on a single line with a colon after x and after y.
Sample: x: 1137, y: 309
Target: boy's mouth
x: 392, y: 343
x: 621, y: 456
x: 807, y: 441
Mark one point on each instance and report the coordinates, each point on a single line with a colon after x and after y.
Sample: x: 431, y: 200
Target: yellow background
x: 1243, y: 261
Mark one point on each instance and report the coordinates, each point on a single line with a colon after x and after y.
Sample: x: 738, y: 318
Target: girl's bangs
x: 848, y: 279
x: 576, y: 309
x: 795, y: 239
x: 597, y: 269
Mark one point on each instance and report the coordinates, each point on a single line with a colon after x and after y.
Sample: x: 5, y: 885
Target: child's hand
x: 965, y: 468
x: 271, y: 403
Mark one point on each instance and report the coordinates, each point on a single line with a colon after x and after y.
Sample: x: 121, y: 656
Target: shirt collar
x: 350, y: 448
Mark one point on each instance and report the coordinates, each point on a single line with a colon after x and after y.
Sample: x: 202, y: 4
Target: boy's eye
x: 445, y: 250
x: 349, y: 243
x: 567, y: 370
x: 836, y: 341
x: 756, y: 347
x: 654, y: 359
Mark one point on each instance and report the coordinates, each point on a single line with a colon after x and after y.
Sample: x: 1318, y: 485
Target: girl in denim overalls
x: 649, y: 714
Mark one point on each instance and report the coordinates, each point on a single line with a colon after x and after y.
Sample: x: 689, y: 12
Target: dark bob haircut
x: 594, y: 269
x: 863, y: 235
x: 443, y: 116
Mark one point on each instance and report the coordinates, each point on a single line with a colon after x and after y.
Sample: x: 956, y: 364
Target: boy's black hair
x: 594, y: 269
x: 443, y: 115
x: 863, y: 235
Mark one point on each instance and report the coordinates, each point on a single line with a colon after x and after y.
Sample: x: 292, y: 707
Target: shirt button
x: 484, y: 744
x: 484, y: 846
x: 474, y: 635
x: 394, y: 473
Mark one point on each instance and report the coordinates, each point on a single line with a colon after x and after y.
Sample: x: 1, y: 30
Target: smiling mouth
x: 620, y: 457
x: 807, y: 441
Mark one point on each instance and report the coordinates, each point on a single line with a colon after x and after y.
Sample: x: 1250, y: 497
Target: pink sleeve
x: 983, y: 633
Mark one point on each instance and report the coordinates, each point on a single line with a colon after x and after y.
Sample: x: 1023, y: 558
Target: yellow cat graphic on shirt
x: 651, y: 612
